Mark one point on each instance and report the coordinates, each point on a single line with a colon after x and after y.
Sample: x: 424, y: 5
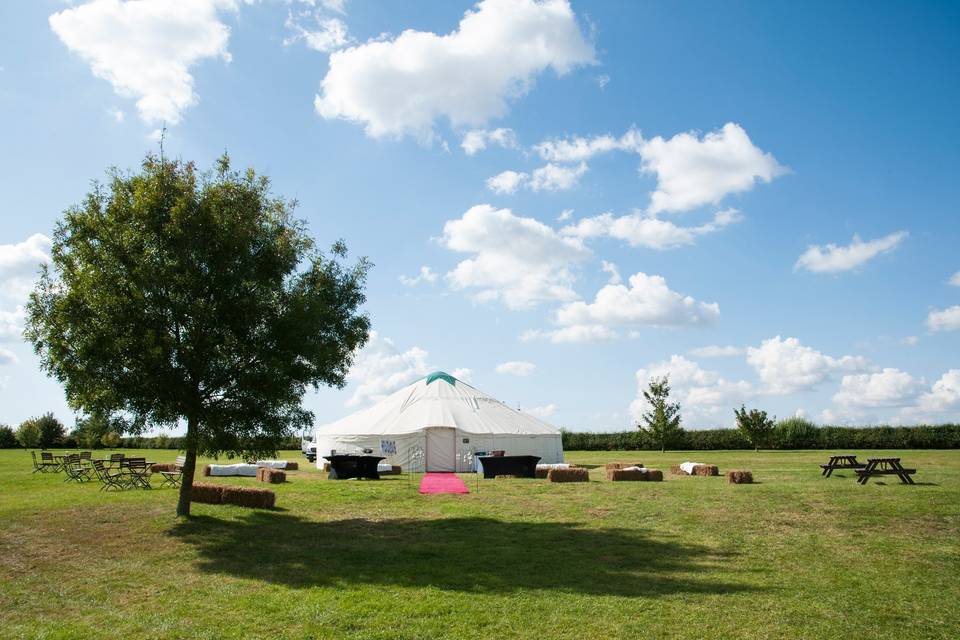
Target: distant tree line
x: 792, y: 433
x: 46, y: 432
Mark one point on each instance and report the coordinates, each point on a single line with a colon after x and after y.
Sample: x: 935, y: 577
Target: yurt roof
x: 439, y: 400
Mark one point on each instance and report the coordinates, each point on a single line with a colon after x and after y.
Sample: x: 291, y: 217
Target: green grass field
x: 794, y: 556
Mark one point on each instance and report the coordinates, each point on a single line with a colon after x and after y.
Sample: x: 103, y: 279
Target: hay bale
x: 739, y: 477
x: 622, y: 465
x: 206, y: 470
x: 249, y: 497
x: 207, y: 493
x: 626, y: 475
x: 677, y: 471
x: 292, y: 466
x: 541, y: 472
x: 572, y: 474
x: 706, y: 470
x: 273, y: 476
x: 654, y: 475
x: 163, y: 466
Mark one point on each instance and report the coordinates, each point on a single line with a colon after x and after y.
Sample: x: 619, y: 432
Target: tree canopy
x: 755, y: 426
x: 177, y: 296
x: 662, y: 421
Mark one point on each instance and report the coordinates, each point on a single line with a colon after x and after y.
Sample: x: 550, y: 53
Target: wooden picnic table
x: 885, y: 467
x: 840, y: 461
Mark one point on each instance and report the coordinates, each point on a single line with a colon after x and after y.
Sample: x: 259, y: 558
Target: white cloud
x: 145, y: 48
x: 835, y: 258
x: 715, y: 351
x: 692, y: 171
x: 910, y: 341
x: 20, y: 265
x: 786, y: 366
x: 325, y: 35
x: 553, y: 177
x: 507, y: 181
x: 543, y: 412
x: 944, y: 319
x: 462, y: 374
x: 118, y: 115
x: 518, y: 260
x: 380, y: 368
x: 944, y: 395
x: 643, y: 301
x: 647, y: 230
x: 578, y: 149
x: 609, y: 267
x: 426, y: 274
x: 565, y: 215
x: 516, y: 368
x: 11, y: 323
x: 550, y: 177
x: 955, y: 279
x: 887, y: 388
x: 401, y: 86
x: 574, y: 334
x: 705, y: 397
x: 479, y: 139
x: 8, y: 357
x: 602, y: 81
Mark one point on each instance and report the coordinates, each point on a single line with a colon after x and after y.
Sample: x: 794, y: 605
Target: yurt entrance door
x: 441, y: 449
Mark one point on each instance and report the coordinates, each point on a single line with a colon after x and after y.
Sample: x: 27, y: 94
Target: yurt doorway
x: 441, y: 449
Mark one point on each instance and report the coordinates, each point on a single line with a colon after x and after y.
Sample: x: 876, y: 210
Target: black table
x: 841, y: 461
x: 344, y: 467
x: 885, y: 467
x: 520, y: 466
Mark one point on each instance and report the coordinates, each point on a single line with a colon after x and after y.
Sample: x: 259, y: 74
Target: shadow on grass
x: 458, y: 554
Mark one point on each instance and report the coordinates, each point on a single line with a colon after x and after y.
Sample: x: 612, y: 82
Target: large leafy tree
x: 180, y: 297
x: 662, y: 420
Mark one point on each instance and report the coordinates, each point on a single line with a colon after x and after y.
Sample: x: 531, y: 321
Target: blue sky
x: 759, y: 199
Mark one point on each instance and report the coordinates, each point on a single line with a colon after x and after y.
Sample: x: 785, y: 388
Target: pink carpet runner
x: 442, y: 483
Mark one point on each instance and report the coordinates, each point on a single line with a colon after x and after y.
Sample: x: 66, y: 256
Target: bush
x: 755, y: 426
x: 792, y: 433
x: 796, y: 433
x: 8, y: 438
x: 28, y: 434
x: 51, y: 430
x: 111, y: 440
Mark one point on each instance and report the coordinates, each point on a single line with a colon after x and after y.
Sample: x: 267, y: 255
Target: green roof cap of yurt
x: 441, y: 375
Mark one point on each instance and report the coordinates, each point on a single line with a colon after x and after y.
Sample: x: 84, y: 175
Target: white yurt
x: 439, y: 423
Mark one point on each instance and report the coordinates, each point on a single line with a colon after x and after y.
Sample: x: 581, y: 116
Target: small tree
x: 176, y: 298
x: 755, y: 426
x: 8, y: 438
x: 91, y: 429
x: 51, y: 430
x: 662, y: 421
x: 28, y: 433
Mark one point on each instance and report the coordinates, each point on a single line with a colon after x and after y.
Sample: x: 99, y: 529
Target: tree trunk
x: 189, y: 466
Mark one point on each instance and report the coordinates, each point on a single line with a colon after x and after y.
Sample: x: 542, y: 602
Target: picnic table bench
x: 841, y: 461
x: 885, y: 467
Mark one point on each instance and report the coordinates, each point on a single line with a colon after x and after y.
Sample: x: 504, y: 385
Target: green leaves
x: 662, y: 421
x: 755, y: 426
x: 176, y: 296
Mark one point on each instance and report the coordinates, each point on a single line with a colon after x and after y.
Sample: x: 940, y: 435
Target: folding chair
x: 42, y: 467
x: 75, y: 470
x: 138, y: 471
x: 173, y: 478
x: 47, y: 458
x: 111, y: 480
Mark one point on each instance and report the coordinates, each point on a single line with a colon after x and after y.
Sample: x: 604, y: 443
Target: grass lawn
x: 794, y: 556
